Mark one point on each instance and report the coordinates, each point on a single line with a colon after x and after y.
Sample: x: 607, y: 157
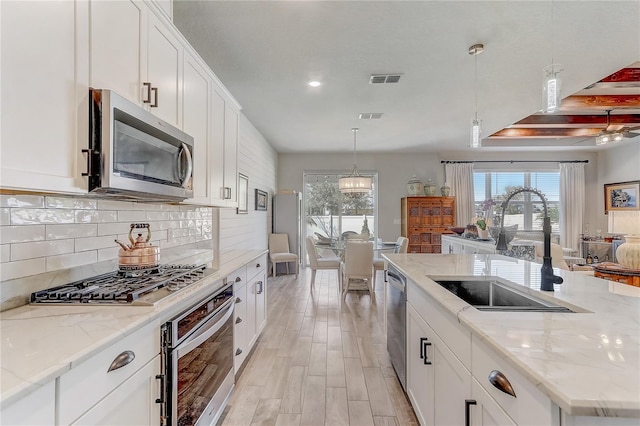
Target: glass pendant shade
x: 551, y: 85
x: 476, y: 133
x: 354, y: 183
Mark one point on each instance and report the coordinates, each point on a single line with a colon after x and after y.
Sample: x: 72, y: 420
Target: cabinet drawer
x: 256, y: 266
x: 238, y: 278
x: 529, y: 406
x: 85, y: 385
x: 240, y: 328
x: 442, y: 322
x: 37, y: 408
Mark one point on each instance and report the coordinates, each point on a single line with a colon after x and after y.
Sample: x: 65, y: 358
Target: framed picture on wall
x: 261, y: 200
x: 243, y: 194
x: 621, y: 196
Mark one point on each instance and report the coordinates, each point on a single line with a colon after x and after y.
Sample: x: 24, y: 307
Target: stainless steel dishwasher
x: 397, y: 323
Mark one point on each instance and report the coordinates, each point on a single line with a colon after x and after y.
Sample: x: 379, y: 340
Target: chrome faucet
x: 548, y: 279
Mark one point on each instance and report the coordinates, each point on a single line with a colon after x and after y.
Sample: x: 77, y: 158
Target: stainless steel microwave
x: 134, y: 154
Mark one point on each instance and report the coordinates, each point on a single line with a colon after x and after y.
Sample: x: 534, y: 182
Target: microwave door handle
x: 187, y: 175
x: 207, y: 331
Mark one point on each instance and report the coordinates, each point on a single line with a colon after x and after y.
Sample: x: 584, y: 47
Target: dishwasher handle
x: 397, y: 281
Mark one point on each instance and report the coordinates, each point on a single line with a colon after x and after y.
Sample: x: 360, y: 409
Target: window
x: 330, y: 213
x: 524, y: 209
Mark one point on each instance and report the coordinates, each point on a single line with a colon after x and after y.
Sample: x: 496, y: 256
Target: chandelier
x: 354, y: 183
x: 476, y: 125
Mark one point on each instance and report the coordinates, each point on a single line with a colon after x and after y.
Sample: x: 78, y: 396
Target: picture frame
x: 261, y: 200
x: 243, y: 194
x: 621, y: 196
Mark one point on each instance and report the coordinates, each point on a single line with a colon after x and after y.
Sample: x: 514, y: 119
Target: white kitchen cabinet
x: 484, y: 410
x: 196, y: 115
x: 86, y: 385
x: 223, y: 159
x: 261, y: 301
x: 231, y: 133
x: 437, y: 383
x: 42, y: 96
x: 131, y: 403
x: 37, y: 408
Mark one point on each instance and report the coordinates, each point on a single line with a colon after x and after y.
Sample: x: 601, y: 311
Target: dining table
x: 338, y: 247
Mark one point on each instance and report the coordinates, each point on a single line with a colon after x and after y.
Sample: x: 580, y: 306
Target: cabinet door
x: 131, y: 403
x: 420, y: 372
x: 41, y: 110
x: 37, y: 408
x: 252, y: 294
x: 486, y: 411
x: 163, y: 71
x: 118, y: 36
x: 216, y: 156
x: 231, y: 153
x: 452, y: 385
x: 261, y: 302
x: 195, y: 121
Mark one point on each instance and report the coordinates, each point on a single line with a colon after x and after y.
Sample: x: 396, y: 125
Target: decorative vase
x: 483, y: 234
x: 628, y: 253
x: 414, y: 186
x: 429, y: 189
x: 445, y: 190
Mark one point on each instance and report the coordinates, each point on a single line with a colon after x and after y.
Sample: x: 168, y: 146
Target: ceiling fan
x: 615, y: 132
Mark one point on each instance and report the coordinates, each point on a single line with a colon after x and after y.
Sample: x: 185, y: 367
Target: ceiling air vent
x: 370, y: 115
x: 384, y: 78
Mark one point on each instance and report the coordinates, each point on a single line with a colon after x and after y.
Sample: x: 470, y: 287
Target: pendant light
x: 476, y: 125
x: 354, y: 183
x: 551, y: 83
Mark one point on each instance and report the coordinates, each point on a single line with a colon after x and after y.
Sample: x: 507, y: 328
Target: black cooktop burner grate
x: 123, y: 286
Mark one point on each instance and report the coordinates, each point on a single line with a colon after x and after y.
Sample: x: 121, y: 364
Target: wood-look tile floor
x: 321, y: 360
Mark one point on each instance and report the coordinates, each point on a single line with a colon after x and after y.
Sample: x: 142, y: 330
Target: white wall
x: 394, y: 170
x: 619, y: 163
x: 257, y: 160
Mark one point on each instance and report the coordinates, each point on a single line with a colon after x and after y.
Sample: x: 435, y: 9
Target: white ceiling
x: 265, y: 52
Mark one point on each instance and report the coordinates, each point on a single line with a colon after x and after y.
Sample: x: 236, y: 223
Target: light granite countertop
x: 41, y: 342
x: 588, y: 363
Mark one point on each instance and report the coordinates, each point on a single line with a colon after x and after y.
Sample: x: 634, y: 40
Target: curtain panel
x: 459, y: 176
x: 572, y: 197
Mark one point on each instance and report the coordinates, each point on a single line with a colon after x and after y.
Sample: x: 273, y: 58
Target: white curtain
x: 571, y: 203
x: 459, y: 177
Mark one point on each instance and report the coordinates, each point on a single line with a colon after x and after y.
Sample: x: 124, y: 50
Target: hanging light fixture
x: 354, y: 183
x: 551, y: 82
x: 476, y: 125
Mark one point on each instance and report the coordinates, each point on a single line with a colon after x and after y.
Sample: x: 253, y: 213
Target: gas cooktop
x: 124, y: 287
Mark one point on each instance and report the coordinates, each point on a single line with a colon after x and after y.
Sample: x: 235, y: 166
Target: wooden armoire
x: 425, y: 219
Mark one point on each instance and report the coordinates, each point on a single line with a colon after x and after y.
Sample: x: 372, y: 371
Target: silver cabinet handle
x: 257, y: 265
x: 500, y: 381
x: 259, y: 283
x: 147, y: 99
x: 226, y: 193
x: 238, y: 320
x: 238, y: 300
x: 238, y: 279
x: 238, y: 352
x: 121, y: 360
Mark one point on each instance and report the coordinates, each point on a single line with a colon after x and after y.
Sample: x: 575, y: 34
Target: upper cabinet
x: 128, y: 46
x: 137, y: 55
x: 42, y: 97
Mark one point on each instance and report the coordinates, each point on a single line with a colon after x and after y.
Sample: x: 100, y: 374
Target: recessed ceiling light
x: 314, y: 83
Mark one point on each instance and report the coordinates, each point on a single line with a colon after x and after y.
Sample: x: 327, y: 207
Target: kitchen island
x: 586, y: 363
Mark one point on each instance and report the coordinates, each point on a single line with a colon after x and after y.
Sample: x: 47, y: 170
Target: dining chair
x: 402, y: 244
x: 279, y: 252
x: 358, y: 264
x: 316, y: 262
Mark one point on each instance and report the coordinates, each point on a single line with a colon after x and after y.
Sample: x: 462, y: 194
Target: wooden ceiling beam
x: 576, y: 121
x: 544, y: 133
x: 601, y: 102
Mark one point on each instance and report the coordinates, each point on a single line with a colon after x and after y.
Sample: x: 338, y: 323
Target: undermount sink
x: 490, y: 295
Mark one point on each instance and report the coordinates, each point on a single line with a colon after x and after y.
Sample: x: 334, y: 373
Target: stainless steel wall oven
x: 198, y: 361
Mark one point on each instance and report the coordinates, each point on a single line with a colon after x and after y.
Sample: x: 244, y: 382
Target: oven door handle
x: 207, y: 330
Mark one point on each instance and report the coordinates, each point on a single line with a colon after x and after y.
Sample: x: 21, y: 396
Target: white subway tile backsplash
x: 58, y: 232
x: 22, y: 234
x: 37, y: 216
x: 115, y: 228
x: 95, y: 243
x: 24, y: 251
x: 158, y: 215
x: 96, y: 216
x: 5, y: 216
x: 132, y: 216
x: 115, y: 205
x: 23, y: 268
x: 70, y: 203
x: 70, y: 260
x: 22, y: 201
x: 109, y: 253
x: 5, y: 253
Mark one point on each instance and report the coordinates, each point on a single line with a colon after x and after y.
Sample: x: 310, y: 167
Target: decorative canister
x: 445, y: 190
x: 628, y: 253
x: 429, y: 189
x: 414, y: 186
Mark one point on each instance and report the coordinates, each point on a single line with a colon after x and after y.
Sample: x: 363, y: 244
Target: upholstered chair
x: 358, y: 264
x: 402, y: 244
x: 316, y: 262
x: 279, y: 252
